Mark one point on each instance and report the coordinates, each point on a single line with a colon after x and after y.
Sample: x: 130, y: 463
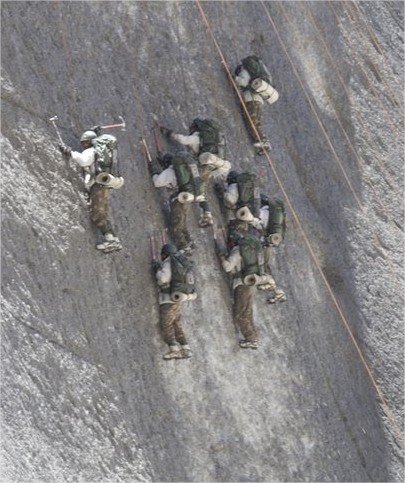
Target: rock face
x: 86, y: 395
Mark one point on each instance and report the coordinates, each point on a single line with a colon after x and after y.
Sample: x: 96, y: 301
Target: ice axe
x: 53, y: 119
x: 111, y: 126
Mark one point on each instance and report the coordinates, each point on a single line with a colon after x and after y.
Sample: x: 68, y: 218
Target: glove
x: 96, y: 129
x: 165, y: 131
x: 155, y: 266
x: 65, y: 150
x: 153, y: 168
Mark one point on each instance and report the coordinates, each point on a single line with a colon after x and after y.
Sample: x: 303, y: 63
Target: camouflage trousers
x: 205, y: 176
x: 172, y: 331
x: 255, y: 110
x: 243, y: 311
x: 99, y: 206
x: 178, y: 223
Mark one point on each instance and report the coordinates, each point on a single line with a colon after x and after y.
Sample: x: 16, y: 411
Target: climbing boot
x: 206, y: 219
x: 109, y: 244
x: 278, y: 297
x: 186, y: 351
x: 174, y: 353
x: 248, y: 344
x: 188, y: 249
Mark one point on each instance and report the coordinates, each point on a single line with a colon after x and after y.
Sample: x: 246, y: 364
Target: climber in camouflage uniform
x: 180, y: 175
x: 206, y: 140
x: 91, y: 160
x: 242, y: 294
x: 176, y: 285
x: 252, y: 76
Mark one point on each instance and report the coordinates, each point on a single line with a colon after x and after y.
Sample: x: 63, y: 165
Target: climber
x: 207, y: 141
x: 180, y: 175
x: 99, y: 160
x: 242, y: 293
x: 252, y: 76
x: 174, y: 276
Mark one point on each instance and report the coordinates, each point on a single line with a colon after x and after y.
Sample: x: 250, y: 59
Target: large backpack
x: 256, y: 68
x: 248, y: 193
x: 252, y: 256
x: 105, y: 147
x: 277, y: 222
x: 182, y: 274
x: 212, y: 137
x: 187, y: 175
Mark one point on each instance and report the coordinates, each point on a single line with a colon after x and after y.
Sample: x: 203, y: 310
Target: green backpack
x: 277, y: 222
x: 252, y: 256
x: 187, y: 175
x: 256, y: 68
x: 248, y: 193
x: 105, y: 147
x: 182, y: 274
x: 212, y: 137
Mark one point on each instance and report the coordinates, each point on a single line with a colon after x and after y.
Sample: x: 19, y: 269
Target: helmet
x: 167, y: 160
x: 88, y: 136
x: 264, y: 200
x: 194, y: 125
x: 232, y: 177
x: 168, y: 249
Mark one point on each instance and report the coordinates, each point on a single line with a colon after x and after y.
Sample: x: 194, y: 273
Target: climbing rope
x: 380, y: 395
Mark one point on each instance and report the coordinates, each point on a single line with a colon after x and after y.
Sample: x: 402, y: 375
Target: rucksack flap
x: 248, y: 193
x: 182, y: 274
x: 277, y: 221
x: 212, y: 137
x: 105, y: 147
x: 187, y: 175
x: 256, y: 68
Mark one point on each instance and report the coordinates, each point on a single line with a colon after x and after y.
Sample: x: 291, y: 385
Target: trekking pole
x: 146, y: 153
x: 152, y: 247
x: 111, y: 126
x: 53, y: 119
x: 163, y: 235
x: 155, y: 127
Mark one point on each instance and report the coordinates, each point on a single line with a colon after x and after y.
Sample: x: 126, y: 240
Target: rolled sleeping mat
x: 107, y: 179
x: 250, y: 279
x: 275, y: 239
x: 244, y: 214
x: 182, y: 297
x: 267, y: 91
x: 185, y: 197
x: 254, y: 279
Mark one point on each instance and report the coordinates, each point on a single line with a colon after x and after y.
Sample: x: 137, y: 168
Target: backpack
x: 256, y: 68
x: 182, y: 274
x: 212, y: 137
x: 252, y: 256
x: 248, y: 193
x: 276, y: 223
x: 105, y: 147
x: 187, y: 175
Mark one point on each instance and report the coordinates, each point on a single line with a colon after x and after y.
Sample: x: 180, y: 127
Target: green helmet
x: 169, y: 249
x: 88, y: 136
